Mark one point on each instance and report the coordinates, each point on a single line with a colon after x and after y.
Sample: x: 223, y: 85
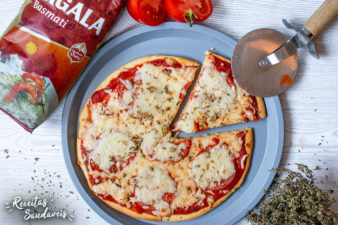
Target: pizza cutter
x: 265, y: 62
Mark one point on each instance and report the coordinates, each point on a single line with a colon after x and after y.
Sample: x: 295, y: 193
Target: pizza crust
x: 130, y: 212
x: 261, y: 107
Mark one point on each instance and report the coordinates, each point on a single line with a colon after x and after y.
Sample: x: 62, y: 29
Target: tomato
x: 189, y: 11
x: 23, y: 87
x: 149, y: 12
x: 37, y: 79
x: 133, y: 10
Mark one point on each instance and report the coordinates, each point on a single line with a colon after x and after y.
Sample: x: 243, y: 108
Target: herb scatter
x: 294, y: 198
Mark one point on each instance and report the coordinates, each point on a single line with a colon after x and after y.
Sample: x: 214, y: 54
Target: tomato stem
x: 189, y: 17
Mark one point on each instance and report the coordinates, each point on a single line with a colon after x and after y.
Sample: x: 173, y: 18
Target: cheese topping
x: 212, y: 98
x: 112, y: 145
x: 152, y: 101
x: 187, y: 192
x: 212, y: 166
x: 167, y: 150
x: 127, y: 95
x: 114, y: 189
x: 152, y: 184
x: 154, y: 96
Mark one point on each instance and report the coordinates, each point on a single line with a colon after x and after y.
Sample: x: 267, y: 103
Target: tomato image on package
x: 45, y: 49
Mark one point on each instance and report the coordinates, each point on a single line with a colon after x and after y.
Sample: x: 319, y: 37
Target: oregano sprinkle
x: 293, y: 198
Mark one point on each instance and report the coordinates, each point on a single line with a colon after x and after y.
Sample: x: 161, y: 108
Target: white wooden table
x: 32, y: 164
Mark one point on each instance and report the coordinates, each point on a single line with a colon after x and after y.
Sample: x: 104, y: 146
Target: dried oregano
x: 294, y: 199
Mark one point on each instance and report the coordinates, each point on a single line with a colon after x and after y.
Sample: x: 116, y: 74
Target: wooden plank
x: 310, y: 110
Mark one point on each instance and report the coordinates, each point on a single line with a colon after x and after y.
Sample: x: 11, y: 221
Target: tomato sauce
x: 115, y: 85
x: 253, y: 108
x: 191, y: 209
x: 163, y: 63
x: 184, y: 90
x: 238, y: 175
x: 96, y: 180
x: 198, y: 127
x: 113, y: 169
x: 100, y: 96
x: 123, y: 163
x: 216, y: 142
x: 140, y: 208
x: 184, y: 152
x: 225, y: 67
x: 108, y: 198
x: 224, y: 189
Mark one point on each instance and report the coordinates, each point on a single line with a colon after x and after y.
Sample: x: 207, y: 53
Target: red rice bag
x: 45, y: 49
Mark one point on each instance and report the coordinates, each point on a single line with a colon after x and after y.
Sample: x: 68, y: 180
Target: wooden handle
x: 322, y: 17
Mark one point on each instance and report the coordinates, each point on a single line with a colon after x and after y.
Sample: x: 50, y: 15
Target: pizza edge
x: 261, y: 107
x: 249, y: 148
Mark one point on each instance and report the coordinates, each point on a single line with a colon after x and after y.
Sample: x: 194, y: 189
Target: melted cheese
x: 167, y: 150
x: 101, y: 122
x: 187, y: 193
x: 112, y: 145
x: 212, y: 166
x: 115, y: 190
x: 152, y: 183
x: 212, y: 98
x: 127, y: 97
x: 155, y: 98
x: 236, y: 145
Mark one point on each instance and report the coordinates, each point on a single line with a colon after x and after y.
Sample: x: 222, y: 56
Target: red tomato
x: 149, y: 12
x: 189, y: 11
x: 132, y: 9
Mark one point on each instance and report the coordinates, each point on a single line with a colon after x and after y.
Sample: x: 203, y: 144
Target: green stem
x: 189, y: 17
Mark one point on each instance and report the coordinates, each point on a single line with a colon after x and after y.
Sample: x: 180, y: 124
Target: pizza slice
x: 215, y: 167
x: 217, y: 100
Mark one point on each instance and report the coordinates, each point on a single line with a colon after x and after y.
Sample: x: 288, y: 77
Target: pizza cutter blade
x: 265, y: 62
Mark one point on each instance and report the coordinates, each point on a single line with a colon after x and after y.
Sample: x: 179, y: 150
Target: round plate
x: 180, y: 40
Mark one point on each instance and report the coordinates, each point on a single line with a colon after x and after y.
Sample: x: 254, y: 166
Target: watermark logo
x: 37, y: 208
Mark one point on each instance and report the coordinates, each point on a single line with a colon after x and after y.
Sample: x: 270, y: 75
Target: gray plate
x: 179, y: 40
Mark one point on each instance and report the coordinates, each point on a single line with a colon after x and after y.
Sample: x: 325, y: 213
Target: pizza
x: 217, y: 100
x: 134, y: 161
x: 139, y: 99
